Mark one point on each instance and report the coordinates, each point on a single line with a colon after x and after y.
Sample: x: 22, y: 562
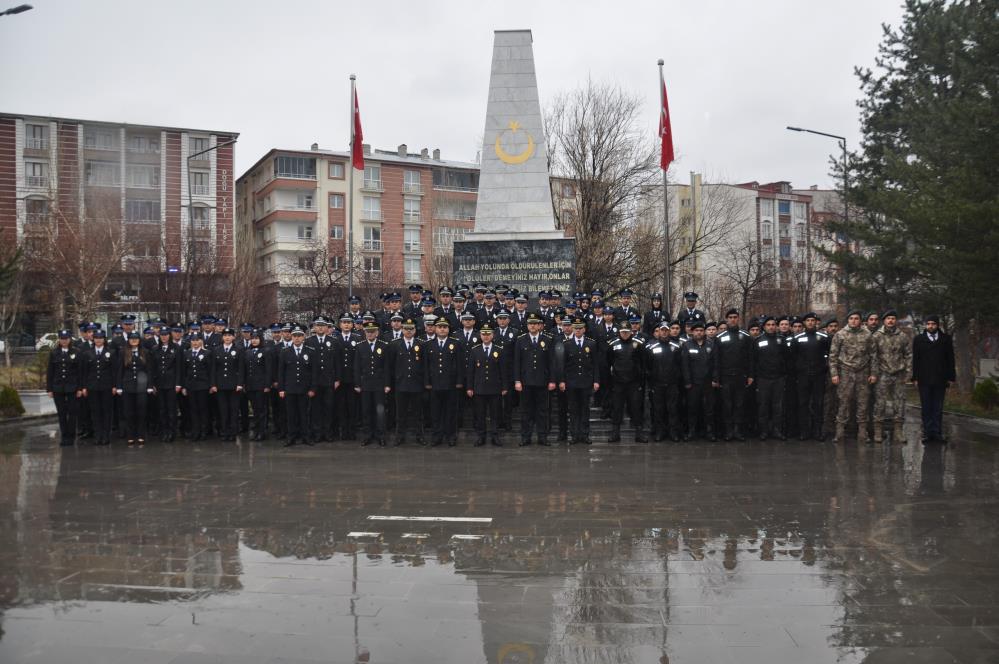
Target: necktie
x: 298, y: 351
x: 372, y: 348
x: 580, y: 344
x: 409, y: 347
x: 487, y: 349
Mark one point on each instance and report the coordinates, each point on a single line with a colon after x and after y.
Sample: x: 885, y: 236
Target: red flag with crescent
x: 665, y: 131
x: 356, y: 149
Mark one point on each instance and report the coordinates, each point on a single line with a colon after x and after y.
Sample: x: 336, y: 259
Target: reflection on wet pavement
x: 625, y: 553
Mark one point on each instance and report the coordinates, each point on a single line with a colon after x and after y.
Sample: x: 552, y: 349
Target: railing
x: 36, y: 143
x: 412, y: 188
x: 411, y: 217
x: 412, y: 246
x: 92, y: 145
x: 372, y: 245
x: 143, y: 149
x: 373, y: 185
x: 103, y: 182
x: 35, y: 217
x: 371, y: 215
x: 295, y: 176
x: 200, y: 189
x: 298, y: 208
x: 36, y: 180
x: 138, y: 184
x: 447, y: 187
x: 454, y: 216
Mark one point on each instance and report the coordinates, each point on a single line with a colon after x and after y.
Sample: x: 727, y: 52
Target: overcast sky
x: 737, y: 72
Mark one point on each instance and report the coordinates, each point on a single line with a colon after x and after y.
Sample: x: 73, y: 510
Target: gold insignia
x: 586, y: 349
x: 378, y: 350
x: 450, y: 346
x: 495, y: 353
x: 542, y: 344
x: 416, y: 349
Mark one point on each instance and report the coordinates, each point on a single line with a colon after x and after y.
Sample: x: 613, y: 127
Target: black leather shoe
x: 480, y: 443
x: 496, y: 442
x: 452, y: 443
x: 290, y: 443
x: 365, y: 443
x: 524, y: 443
x: 614, y: 438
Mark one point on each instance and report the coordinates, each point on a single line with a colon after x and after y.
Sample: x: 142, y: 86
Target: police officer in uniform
x: 485, y: 380
x: 229, y: 374
x: 259, y: 362
x: 326, y: 379
x: 64, y: 385
x: 768, y: 368
x: 407, y: 376
x: 665, y: 376
x: 732, y: 376
x: 654, y: 316
x: 810, y: 362
x: 98, y: 385
x: 534, y: 378
x: 197, y: 381
x: 690, y: 312
x: 697, y: 363
x: 579, y: 378
x: 166, y: 359
x: 626, y: 368
x: 446, y: 368
x: 296, y: 370
x: 347, y: 403
x: 372, y: 383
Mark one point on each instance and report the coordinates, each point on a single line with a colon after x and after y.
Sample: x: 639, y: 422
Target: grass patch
x: 957, y: 402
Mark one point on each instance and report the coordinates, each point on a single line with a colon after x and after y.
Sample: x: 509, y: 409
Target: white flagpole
x: 350, y: 192
x: 667, y: 295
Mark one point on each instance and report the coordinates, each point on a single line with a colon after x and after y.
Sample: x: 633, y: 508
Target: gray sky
x: 737, y: 72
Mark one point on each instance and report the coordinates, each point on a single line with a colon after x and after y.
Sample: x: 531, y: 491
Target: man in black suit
x: 932, y: 372
x: 534, y: 378
x: 445, y: 376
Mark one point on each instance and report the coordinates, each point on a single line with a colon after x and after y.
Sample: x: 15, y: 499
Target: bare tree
x: 746, y: 268
x: 11, y: 291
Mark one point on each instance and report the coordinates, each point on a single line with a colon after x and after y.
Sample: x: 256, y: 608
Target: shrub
x: 10, y: 402
x: 986, y: 394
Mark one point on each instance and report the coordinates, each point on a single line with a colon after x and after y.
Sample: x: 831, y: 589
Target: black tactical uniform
x: 63, y: 380
x: 768, y: 368
x: 665, y: 375
x: 697, y: 364
x: 732, y: 348
x: 810, y: 359
x: 626, y: 369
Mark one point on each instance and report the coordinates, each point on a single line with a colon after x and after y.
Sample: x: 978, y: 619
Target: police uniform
x: 63, y: 381
x: 134, y: 382
x: 166, y: 360
x: 371, y: 378
x: 327, y: 374
x: 407, y: 376
x: 259, y: 363
x: 733, y: 348
x: 697, y: 364
x: 533, y: 368
x: 98, y: 379
x: 665, y: 375
x: 578, y: 372
x: 295, y: 380
x: 197, y: 381
x: 626, y: 371
x: 229, y: 375
x: 810, y: 362
x: 445, y: 358
x: 768, y: 369
x: 655, y: 316
x: 689, y: 313
x: 486, y: 379
x: 348, y: 403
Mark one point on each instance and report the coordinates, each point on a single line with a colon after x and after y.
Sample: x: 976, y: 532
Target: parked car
x: 49, y: 340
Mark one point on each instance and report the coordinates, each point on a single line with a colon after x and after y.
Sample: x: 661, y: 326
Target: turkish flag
x: 356, y: 151
x: 665, y: 132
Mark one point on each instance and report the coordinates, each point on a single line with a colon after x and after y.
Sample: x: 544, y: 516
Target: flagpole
x: 667, y: 295
x: 350, y: 193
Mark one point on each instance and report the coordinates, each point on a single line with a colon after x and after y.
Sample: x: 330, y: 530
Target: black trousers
x: 321, y: 412
x: 444, y: 414
x: 562, y: 408
x: 67, y: 406
x: 533, y: 412
x: 348, y: 411
x: 373, y: 415
x: 578, y: 403
x: 84, y: 421
x: 200, y: 410
x: 701, y: 403
x: 487, y: 411
x: 630, y: 395
x: 228, y: 405
x: 277, y: 413
x: 931, y: 402
x: 166, y: 398
x: 770, y: 405
x: 791, y: 425
x: 259, y: 401
x: 296, y: 408
x: 733, y: 398
x: 664, y: 401
x: 244, y: 412
x: 811, y: 398
x: 408, y: 415
x: 133, y: 410
x: 101, y: 403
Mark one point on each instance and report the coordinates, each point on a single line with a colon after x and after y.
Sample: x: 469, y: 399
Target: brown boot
x: 878, y: 433
x: 840, y: 434
x: 862, y: 434
x: 897, y: 435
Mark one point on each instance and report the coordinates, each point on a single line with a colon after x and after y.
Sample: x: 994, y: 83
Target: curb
x: 27, y: 421
x: 985, y: 422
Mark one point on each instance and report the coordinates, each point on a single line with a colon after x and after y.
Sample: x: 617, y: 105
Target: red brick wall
x: 172, y: 182
x: 8, y: 179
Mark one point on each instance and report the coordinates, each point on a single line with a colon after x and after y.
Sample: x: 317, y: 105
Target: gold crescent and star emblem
x: 508, y: 158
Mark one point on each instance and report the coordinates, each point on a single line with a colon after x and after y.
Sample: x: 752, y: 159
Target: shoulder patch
x: 744, y: 333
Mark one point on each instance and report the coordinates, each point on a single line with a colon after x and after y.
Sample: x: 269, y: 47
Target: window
x: 143, y: 144
x: 102, y: 173
x: 36, y: 136
x: 336, y: 201
x: 295, y: 167
x: 143, y: 211
x: 304, y: 232
x: 199, y: 144
x: 372, y: 238
x: 199, y: 183
x: 799, y: 232
x: 785, y: 251
x: 306, y: 262
x: 411, y: 240
x: 785, y: 230
x: 335, y: 262
x: 373, y: 264
x: 568, y: 191
x: 99, y: 139
x: 201, y: 218
x: 411, y: 210
x: 685, y: 202
x: 766, y: 208
x: 412, y: 268
x: 36, y: 173
x: 373, y: 177
x: 36, y: 209
x: 784, y: 207
x: 336, y: 232
x: 446, y: 178
x: 143, y: 176
x: 445, y: 236
x: 767, y: 230
x: 799, y: 210
x: 305, y: 201
x: 411, y: 182
x: 336, y: 170
x: 372, y: 208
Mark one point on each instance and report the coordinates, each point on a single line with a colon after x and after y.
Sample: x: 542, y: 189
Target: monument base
x: 529, y: 262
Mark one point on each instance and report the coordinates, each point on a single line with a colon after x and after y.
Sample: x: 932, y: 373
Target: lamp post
x: 191, y: 243
x: 846, y: 204
x: 20, y: 9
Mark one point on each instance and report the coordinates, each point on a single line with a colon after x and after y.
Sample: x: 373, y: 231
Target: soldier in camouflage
x: 892, y: 366
x: 850, y: 369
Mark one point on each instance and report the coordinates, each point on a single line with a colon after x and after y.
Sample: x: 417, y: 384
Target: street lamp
x: 20, y: 9
x: 846, y: 205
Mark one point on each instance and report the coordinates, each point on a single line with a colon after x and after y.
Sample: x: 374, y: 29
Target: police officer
x: 664, y: 377
x: 325, y: 380
x: 732, y: 376
x: 485, y: 382
x: 259, y: 362
x: 446, y: 307
x: 627, y: 370
x: 468, y: 334
x: 229, y: 374
x: 625, y: 311
x: 768, y: 369
x: 296, y: 372
x: 98, y: 386
x: 407, y: 376
x: 445, y: 377
x: 134, y: 384
x: 690, y: 312
x: 697, y: 363
x: 810, y: 361
x: 166, y: 361
x: 579, y: 378
x: 371, y: 382
x: 64, y: 385
x: 654, y: 316
x: 197, y: 381
x: 534, y: 378
x: 348, y: 403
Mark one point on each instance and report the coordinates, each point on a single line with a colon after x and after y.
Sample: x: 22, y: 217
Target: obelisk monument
x: 515, y: 241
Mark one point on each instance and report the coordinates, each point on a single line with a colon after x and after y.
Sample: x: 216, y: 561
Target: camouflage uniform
x: 850, y: 360
x: 892, y: 365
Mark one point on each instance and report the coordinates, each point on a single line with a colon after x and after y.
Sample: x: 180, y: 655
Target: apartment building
x: 408, y: 209
x: 137, y: 173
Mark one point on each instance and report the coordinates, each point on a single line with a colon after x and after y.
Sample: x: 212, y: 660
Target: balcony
x: 412, y: 247
x: 91, y: 144
x: 410, y: 217
x: 371, y: 245
x: 412, y: 188
x: 143, y: 184
x: 103, y: 182
x: 371, y: 215
x: 292, y: 207
x: 201, y: 190
x: 455, y: 216
x: 448, y: 187
x: 37, y: 181
x: 36, y: 143
x: 287, y: 175
x: 372, y: 185
x: 144, y: 149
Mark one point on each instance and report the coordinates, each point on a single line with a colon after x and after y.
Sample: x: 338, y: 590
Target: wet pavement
x: 742, y: 552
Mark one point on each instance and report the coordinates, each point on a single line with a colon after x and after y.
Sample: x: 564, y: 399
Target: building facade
x: 408, y: 209
x: 169, y: 208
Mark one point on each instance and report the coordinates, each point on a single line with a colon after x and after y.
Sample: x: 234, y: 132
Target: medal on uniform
x: 107, y: 355
x: 72, y: 356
